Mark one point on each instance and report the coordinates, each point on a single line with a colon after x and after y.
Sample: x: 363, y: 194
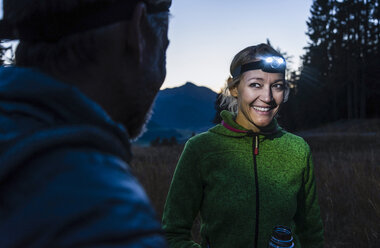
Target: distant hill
x: 180, y: 112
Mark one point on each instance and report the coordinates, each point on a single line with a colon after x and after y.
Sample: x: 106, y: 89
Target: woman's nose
x: 266, y: 95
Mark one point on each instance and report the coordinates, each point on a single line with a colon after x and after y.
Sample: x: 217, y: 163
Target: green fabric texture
x: 215, y: 177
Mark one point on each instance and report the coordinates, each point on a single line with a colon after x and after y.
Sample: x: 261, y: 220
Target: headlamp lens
x: 275, y: 62
x: 280, y: 60
x: 269, y: 60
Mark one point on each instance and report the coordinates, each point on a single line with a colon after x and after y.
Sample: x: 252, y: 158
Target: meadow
x: 347, y: 168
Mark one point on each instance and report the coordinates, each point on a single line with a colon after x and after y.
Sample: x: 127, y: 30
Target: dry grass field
x: 347, y: 167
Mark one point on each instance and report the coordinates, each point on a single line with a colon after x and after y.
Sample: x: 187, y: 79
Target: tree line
x: 158, y: 141
x: 340, y: 74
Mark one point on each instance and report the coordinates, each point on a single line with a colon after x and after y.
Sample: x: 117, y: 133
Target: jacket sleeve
x: 83, y: 198
x: 309, y: 227
x: 183, y: 200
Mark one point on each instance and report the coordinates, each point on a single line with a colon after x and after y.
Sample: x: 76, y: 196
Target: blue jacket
x: 64, y: 177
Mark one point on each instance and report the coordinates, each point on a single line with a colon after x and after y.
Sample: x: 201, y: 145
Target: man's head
x: 113, y: 50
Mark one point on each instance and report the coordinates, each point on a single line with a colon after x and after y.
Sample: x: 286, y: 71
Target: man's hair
x: 19, y: 10
x: 72, y: 50
x: 247, y: 55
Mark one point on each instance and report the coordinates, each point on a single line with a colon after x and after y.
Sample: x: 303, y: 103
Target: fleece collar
x: 229, y: 127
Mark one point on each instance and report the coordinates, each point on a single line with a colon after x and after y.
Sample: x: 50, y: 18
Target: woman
x: 246, y: 175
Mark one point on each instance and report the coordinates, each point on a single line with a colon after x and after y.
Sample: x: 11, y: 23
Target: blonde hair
x: 249, y: 54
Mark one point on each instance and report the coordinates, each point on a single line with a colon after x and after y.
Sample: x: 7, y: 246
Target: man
x: 81, y: 67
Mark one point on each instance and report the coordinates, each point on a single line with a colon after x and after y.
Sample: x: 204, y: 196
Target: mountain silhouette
x: 180, y: 112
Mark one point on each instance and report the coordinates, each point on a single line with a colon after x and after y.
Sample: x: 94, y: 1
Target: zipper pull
x: 256, y: 145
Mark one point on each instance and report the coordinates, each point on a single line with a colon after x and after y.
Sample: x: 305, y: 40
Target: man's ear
x: 136, y: 38
x: 234, y: 91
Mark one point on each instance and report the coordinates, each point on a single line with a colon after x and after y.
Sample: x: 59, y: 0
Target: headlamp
x: 272, y: 64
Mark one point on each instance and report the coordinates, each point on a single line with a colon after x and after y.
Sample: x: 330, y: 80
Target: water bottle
x: 281, y: 237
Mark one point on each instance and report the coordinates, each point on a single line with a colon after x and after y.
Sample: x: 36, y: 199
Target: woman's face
x: 259, y: 95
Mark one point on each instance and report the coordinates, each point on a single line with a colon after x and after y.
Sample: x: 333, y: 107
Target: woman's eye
x: 254, y: 85
x: 279, y: 86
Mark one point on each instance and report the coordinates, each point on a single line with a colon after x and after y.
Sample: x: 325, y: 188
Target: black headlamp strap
x: 259, y: 65
x: 251, y: 66
x: 52, y: 27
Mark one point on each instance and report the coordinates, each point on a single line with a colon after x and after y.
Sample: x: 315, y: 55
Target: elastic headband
x: 273, y: 64
x: 53, y: 26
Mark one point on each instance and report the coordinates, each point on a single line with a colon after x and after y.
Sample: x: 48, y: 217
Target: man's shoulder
x: 88, y: 167
x: 81, y: 156
x: 78, y: 187
x: 75, y: 173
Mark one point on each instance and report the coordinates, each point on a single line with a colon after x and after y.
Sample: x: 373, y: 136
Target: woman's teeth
x: 262, y: 109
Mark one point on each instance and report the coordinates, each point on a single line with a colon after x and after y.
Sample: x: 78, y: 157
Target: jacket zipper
x: 255, y: 152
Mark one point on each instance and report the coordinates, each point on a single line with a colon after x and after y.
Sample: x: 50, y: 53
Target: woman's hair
x: 249, y: 54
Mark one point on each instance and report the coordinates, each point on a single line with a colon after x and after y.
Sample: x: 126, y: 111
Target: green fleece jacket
x: 243, y: 184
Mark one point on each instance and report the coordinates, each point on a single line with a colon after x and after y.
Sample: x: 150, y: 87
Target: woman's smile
x: 262, y: 110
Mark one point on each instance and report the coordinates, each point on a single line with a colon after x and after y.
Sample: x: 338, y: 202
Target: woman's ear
x: 234, y: 91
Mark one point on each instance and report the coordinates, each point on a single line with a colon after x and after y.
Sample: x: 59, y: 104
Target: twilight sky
x: 206, y: 34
